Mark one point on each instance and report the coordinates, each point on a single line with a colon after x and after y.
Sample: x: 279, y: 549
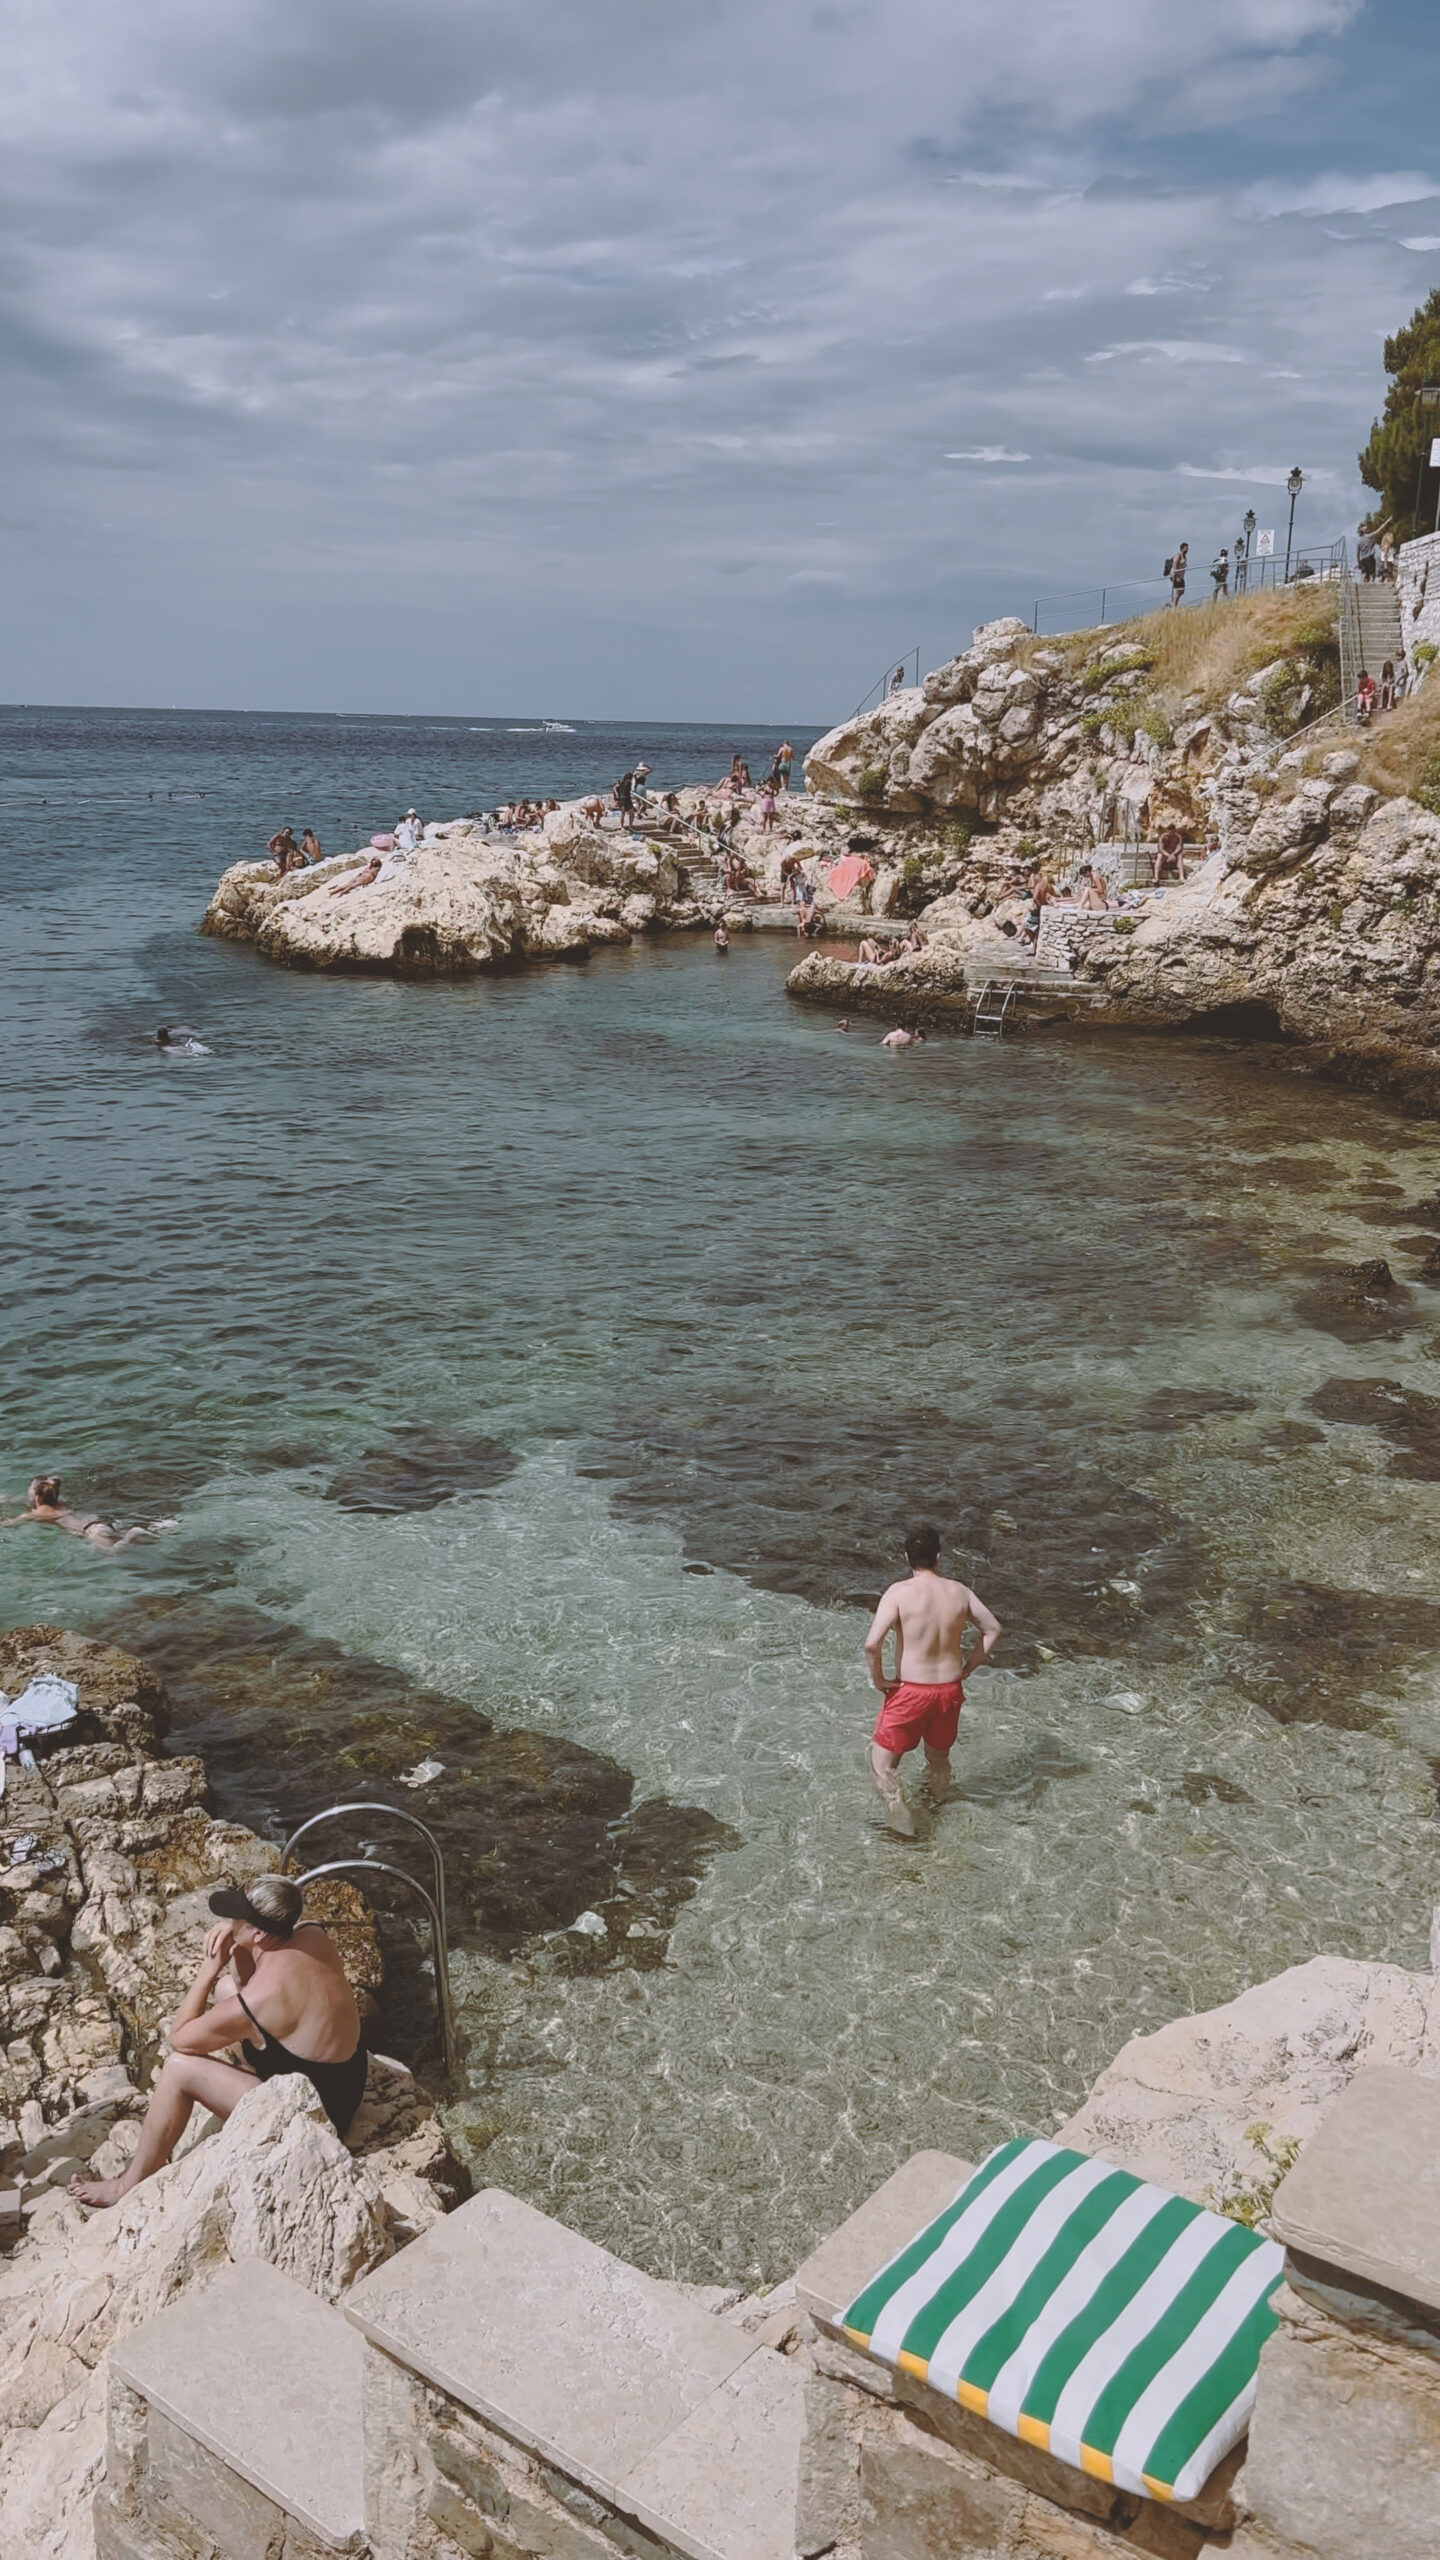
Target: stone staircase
x: 1378, y: 612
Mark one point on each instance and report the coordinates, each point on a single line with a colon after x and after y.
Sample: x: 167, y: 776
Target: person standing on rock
x: 929, y: 1616
x: 623, y: 797
x: 299, y: 2016
x: 1175, y: 570
x: 784, y: 758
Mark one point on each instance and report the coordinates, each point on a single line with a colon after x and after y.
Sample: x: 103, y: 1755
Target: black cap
x: 231, y: 1904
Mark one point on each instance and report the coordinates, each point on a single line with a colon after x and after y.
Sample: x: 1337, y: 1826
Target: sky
x: 664, y: 359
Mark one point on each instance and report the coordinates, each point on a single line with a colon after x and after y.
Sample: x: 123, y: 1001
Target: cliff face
x: 1311, y: 896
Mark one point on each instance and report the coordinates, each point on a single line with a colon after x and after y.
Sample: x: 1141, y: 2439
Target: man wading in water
x: 923, y: 1702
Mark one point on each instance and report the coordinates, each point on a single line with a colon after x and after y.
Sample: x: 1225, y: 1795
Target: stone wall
x: 1417, y: 582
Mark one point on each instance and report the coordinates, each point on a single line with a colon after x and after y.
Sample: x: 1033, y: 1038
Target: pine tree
x: 1396, y: 461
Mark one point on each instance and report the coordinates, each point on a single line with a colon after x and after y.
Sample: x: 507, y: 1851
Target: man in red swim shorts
x: 923, y: 1703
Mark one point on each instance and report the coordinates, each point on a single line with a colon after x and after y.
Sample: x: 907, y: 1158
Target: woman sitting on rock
x: 291, y: 2010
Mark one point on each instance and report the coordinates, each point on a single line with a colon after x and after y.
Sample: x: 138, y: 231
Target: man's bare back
x: 929, y: 1616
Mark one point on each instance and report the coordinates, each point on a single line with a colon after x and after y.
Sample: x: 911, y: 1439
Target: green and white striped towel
x: 1111, y: 2323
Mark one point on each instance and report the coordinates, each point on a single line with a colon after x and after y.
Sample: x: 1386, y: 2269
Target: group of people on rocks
x: 287, y: 855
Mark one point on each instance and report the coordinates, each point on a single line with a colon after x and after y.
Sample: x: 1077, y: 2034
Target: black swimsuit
x: 340, y: 2086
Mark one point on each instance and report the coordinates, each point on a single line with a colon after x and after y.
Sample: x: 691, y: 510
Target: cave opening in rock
x: 1250, y: 1020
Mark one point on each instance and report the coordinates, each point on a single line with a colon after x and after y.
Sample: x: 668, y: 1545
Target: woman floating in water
x: 43, y: 1497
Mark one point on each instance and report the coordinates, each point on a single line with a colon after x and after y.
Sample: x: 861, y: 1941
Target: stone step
x: 251, y: 2393
x: 623, y: 2384
x: 876, y: 2232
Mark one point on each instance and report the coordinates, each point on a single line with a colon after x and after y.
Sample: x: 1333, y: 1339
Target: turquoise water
x: 710, y: 1299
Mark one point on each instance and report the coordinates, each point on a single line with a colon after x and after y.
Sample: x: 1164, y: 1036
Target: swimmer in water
x: 46, y: 1507
x: 902, y: 1039
x: 179, y: 1041
x: 722, y: 938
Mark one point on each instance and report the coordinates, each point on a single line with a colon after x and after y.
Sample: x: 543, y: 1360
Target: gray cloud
x: 453, y: 357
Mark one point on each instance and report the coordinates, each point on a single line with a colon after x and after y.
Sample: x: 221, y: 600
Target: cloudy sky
x: 681, y: 358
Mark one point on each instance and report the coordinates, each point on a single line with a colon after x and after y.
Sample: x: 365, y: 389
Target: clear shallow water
x: 737, y: 1296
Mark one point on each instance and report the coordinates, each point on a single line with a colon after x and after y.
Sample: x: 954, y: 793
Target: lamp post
x: 1245, y: 554
x: 1294, y: 484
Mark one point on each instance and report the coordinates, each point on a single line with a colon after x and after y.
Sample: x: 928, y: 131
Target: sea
x: 543, y: 1370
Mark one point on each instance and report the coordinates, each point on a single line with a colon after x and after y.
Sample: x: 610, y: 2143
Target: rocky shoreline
x: 108, y: 1850
x: 1312, y: 910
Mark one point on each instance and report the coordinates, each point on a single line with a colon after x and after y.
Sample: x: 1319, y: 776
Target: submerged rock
x: 534, y: 1828
x: 422, y: 1470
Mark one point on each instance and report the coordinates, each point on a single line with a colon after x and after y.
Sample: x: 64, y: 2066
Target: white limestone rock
x: 1180, y: 2106
x: 274, y: 2182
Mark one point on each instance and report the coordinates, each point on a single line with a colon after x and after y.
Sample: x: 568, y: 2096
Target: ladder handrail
x: 397, y: 1813
x: 382, y: 1867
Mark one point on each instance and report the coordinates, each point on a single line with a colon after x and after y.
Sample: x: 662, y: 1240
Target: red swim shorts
x: 920, y: 1711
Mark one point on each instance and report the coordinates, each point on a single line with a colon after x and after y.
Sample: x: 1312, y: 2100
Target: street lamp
x: 1294, y: 484
x: 1249, y: 538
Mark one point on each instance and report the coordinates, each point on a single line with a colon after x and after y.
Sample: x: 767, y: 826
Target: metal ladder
x: 993, y: 1008
x: 434, y: 1902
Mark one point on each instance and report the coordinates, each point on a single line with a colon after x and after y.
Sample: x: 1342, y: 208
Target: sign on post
x: 1265, y: 542
x: 1435, y: 453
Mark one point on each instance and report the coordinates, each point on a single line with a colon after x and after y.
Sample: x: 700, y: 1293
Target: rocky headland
x: 1312, y: 909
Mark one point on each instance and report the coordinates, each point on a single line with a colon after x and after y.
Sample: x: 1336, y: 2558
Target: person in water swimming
x: 46, y: 1507
x: 179, y: 1041
x: 900, y: 1038
x: 290, y: 2010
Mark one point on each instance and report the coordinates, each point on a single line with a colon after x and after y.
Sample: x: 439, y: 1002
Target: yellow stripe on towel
x: 918, y: 2365
x: 857, y: 2337
x: 1099, y: 2465
x: 1033, y: 2431
x: 971, y: 2397
x: 1158, y: 2488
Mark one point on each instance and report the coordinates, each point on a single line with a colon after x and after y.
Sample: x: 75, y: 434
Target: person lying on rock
x: 361, y: 880
x: 43, y: 1497
x: 291, y: 2009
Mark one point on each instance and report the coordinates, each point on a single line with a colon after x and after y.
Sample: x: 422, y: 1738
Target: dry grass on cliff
x: 1402, y: 752
x: 1210, y: 649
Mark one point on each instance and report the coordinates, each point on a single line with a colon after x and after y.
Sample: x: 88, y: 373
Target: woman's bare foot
x: 100, y: 2191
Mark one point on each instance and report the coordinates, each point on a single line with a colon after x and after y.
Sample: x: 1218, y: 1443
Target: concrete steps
x: 236, y: 2414
x: 618, y: 2385
x: 1378, y: 609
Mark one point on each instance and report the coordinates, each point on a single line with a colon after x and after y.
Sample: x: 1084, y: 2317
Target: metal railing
x: 1321, y: 563
x: 434, y: 1902
x: 886, y: 685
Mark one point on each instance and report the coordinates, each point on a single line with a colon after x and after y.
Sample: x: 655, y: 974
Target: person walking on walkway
x: 1175, y: 568
x: 1220, y: 574
x: 929, y: 1617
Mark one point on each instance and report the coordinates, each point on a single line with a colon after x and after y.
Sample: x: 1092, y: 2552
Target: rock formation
x: 1313, y: 909
x: 462, y: 901
x: 107, y: 1851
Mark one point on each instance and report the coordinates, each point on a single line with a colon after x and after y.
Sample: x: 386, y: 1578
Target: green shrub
x: 1155, y: 725
x: 1125, y: 924
x: 1091, y: 723
x: 1425, y: 655
x: 957, y: 838
x: 1129, y: 662
x: 1427, y: 790
x: 873, y: 779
